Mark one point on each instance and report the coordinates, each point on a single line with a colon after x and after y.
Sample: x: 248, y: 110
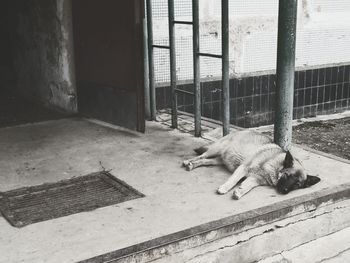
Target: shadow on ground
x: 15, y: 110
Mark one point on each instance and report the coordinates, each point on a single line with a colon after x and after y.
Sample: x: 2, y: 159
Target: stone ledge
x: 213, y: 231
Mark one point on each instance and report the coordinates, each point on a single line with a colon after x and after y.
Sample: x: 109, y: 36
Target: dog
x: 254, y: 160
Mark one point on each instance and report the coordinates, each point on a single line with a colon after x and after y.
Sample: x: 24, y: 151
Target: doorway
x: 108, y: 51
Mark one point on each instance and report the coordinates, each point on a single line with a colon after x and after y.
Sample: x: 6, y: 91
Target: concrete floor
x: 151, y: 163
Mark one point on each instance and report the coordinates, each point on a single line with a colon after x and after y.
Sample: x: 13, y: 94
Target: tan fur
x: 246, y: 154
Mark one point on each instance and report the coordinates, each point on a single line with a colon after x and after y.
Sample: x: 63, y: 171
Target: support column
x: 225, y: 67
x: 287, y: 20
x: 152, y: 85
x: 196, y: 69
x: 172, y: 53
x: 146, y: 69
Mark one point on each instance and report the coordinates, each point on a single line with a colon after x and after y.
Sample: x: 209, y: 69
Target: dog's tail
x: 201, y: 150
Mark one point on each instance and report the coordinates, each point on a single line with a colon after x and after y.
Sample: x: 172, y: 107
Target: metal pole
x: 196, y: 69
x: 151, y: 60
x: 172, y: 52
x: 146, y: 70
x: 225, y: 67
x: 287, y: 20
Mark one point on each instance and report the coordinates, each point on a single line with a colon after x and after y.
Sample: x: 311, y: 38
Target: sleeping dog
x: 254, y: 160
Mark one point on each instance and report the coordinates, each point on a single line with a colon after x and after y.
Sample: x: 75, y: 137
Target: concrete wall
x: 6, y: 66
x: 323, y: 36
x: 43, y: 51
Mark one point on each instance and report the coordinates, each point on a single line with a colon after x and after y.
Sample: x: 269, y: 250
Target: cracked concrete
x: 270, y: 239
x: 331, y: 248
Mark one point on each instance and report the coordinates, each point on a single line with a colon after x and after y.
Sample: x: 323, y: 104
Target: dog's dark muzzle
x: 286, y: 184
x: 283, y: 190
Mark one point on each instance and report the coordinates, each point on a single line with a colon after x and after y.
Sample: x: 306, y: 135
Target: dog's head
x: 293, y: 176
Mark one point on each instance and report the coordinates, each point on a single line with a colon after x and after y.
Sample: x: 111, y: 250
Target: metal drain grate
x: 34, y: 204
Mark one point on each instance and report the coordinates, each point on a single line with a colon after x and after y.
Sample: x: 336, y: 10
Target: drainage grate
x: 34, y: 204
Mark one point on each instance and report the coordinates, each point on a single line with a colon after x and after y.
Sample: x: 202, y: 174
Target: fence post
x: 287, y: 20
x: 196, y: 69
x: 146, y: 69
x: 172, y: 53
x: 151, y: 60
x: 225, y: 67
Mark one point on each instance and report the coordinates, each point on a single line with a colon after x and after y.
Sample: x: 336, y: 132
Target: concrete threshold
x: 197, y: 236
x: 181, y: 219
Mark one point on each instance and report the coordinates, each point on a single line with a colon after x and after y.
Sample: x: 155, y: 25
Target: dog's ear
x: 311, y: 180
x: 288, y: 160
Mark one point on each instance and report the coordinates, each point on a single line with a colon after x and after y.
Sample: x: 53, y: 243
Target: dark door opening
x: 108, y: 60
x: 18, y: 94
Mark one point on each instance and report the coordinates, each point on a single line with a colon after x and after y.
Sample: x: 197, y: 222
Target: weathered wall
x: 43, y: 51
x: 6, y: 67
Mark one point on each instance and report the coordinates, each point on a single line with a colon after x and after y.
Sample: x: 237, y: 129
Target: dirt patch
x: 331, y: 136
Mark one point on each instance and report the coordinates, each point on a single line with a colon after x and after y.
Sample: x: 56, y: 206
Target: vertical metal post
x: 151, y: 60
x: 172, y: 52
x: 196, y: 69
x: 146, y: 69
x: 225, y: 67
x: 287, y: 20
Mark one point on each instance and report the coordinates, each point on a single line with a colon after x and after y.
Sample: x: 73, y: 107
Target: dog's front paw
x: 222, y: 190
x: 185, y: 163
x: 236, y: 195
x: 188, y: 165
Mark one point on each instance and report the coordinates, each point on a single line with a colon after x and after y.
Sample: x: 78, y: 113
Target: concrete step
x: 328, y: 249
x: 251, y: 236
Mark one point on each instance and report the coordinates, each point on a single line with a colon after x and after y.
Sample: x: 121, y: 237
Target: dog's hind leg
x: 211, y: 151
x: 203, y: 162
x: 237, y: 175
x: 247, y: 185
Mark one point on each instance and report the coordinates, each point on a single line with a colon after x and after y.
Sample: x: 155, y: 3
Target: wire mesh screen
x: 184, y: 57
x: 210, y: 40
x: 161, y: 65
x: 253, y: 35
x: 183, y: 10
x: 159, y: 9
x: 160, y: 24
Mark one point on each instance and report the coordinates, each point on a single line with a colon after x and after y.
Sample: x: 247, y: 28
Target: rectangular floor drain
x: 34, y: 204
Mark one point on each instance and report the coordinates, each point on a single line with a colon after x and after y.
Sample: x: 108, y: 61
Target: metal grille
x: 48, y: 201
